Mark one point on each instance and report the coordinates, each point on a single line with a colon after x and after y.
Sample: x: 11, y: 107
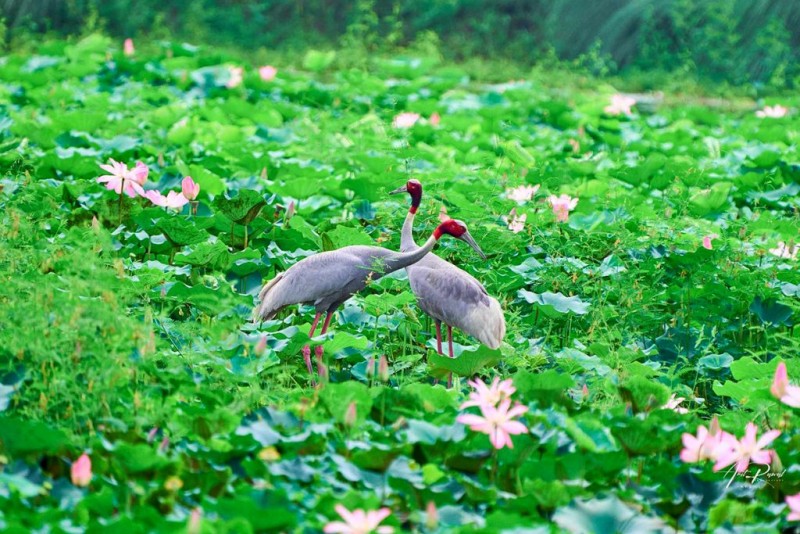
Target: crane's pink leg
x: 439, y: 337
x: 450, y: 340
x: 319, y: 350
x: 307, y: 349
x: 450, y: 348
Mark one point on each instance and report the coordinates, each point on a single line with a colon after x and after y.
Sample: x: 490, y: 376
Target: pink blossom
x: 81, y: 471
x: 173, y: 199
x: 793, y: 502
x: 431, y: 516
x: 121, y: 179
x: 620, y: 104
x: 562, y: 205
x: 193, y: 526
x: 435, y: 119
x: 700, y: 447
x: 674, y: 404
x: 785, y: 251
x: 707, y: 444
x: 748, y: 449
x: 707, y: 241
x: 235, y: 77
x: 359, y: 522
x: 782, y: 390
x: 383, y: 368
x: 773, y: 112
x: 517, y: 222
x: 522, y: 193
x: 190, y: 188
x: 350, y: 415
x: 127, y: 47
x: 261, y: 346
x: 405, y: 120
x: 267, y: 73
x: 489, y: 395
x: 139, y: 173
x: 498, y: 422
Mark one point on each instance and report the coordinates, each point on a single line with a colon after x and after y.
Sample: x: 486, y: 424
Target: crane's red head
x: 458, y: 230
x: 414, y: 190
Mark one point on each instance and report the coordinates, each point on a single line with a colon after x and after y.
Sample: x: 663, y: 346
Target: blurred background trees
x: 736, y: 41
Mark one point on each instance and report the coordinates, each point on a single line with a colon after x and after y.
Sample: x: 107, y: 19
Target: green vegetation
x: 740, y: 42
x: 125, y: 331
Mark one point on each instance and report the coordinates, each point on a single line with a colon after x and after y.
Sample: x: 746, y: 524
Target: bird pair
x: 445, y: 292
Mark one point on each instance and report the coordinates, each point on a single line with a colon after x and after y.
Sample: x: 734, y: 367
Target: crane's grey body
x: 328, y: 279
x: 453, y: 296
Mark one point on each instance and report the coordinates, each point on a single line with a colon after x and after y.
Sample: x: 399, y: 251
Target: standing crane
x: 328, y: 279
x: 447, y: 293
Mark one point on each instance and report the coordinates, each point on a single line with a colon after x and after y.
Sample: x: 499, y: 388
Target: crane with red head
x: 448, y: 294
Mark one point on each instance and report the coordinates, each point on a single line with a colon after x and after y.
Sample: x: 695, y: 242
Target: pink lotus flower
x: 498, y: 422
x: 522, y: 193
x: 267, y: 73
x: 748, y: 449
x: 350, y: 415
x: 190, y: 188
x: 383, y: 368
x: 405, y: 120
x: 562, y: 205
x: 773, y: 112
x: 782, y: 390
x: 431, y: 516
x: 785, y: 251
x: 489, y: 395
x: 674, y: 404
x: 139, y: 173
x: 123, y: 180
x: 793, y: 502
x: 194, y: 525
x: 707, y: 444
x: 517, y: 222
x: 127, y: 47
x: 703, y: 446
x: 235, y: 77
x: 443, y: 216
x: 620, y: 104
x: 435, y: 119
x: 359, y: 522
x: 173, y: 200
x: 707, y: 241
x: 81, y: 471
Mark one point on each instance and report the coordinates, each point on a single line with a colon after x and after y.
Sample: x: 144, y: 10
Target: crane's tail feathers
x: 493, y: 325
x: 267, y: 306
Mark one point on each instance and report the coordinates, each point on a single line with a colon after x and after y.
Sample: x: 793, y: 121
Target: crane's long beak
x: 403, y: 189
x: 471, y: 242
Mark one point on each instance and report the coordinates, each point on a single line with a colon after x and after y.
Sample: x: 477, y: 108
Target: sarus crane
x: 447, y: 293
x: 327, y: 279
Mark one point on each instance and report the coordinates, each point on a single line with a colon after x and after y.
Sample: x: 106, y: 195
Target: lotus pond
x: 651, y: 341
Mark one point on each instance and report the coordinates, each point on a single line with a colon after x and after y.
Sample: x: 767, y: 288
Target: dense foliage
x: 738, y: 41
x: 125, y: 328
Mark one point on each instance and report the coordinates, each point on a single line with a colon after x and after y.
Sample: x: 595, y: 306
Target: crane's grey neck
x: 407, y: 234
x: 399, y: 260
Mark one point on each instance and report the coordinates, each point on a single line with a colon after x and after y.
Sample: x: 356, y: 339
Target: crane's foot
x: 307, y: 359
x: 449, y: 380
x: 322, y: 369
